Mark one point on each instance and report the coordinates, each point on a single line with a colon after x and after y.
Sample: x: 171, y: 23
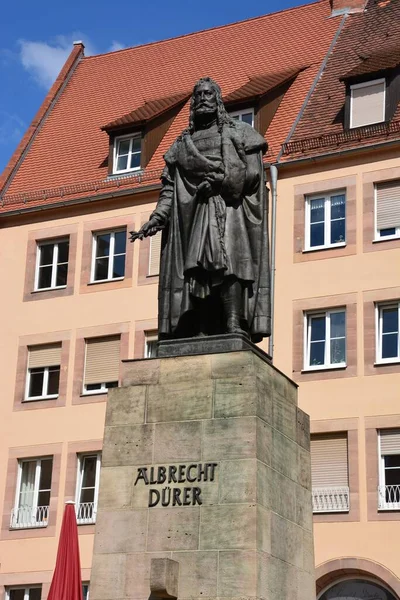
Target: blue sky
x: 36, y: 38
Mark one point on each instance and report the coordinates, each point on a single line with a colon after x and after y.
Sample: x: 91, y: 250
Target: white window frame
x: 86, y: 584
x: 102, y: 389
x: 79, y: 479
x: 149, y: 336
x: 112, y: 255
x: 44, y: 395
x: 362, y: 85
x: 327, y: 198
x: 240, y: 113
x: 382, y: 481
x: 27, y: 589
x: 35, y: 493
x: 39, y: 245
x: 377, y: 232
x: 378, y: 333
x: 307, y: 340
x: 115, y: 155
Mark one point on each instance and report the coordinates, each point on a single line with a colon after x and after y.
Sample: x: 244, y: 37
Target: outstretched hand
x: 148, y: 229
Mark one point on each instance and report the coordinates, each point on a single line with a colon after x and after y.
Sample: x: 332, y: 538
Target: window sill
x: 53, y: 289
x: 94, y: 393
x: 322, y: 248
x: 124, y: 174
x: 318, y: 369
x: 100, y: 281
x: 395, y: 361
x: 39, y: 398
x: 388, y: 238
x: 387, y: 509
x: 332, y: 512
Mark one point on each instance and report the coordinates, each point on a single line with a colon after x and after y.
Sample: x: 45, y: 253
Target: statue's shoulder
x: 251, y: 139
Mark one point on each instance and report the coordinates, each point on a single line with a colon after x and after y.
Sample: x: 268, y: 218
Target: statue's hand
x: 205, y: 189
x: 148, y: 229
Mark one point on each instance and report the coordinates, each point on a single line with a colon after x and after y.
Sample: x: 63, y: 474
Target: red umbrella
x: 67, y: 583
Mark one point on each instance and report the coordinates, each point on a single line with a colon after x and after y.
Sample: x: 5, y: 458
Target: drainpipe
x: 274, y: 180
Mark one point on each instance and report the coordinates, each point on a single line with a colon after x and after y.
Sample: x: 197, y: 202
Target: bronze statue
x: 214, y: 273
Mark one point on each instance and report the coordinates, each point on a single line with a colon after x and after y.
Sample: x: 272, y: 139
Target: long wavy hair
x: 222, y: 116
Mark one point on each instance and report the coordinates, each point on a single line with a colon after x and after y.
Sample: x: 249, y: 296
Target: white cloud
x: 12, y: 128
x: 45, y: 60
x: 116, y: 46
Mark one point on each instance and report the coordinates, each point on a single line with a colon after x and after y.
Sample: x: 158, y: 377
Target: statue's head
x: 206, y: 103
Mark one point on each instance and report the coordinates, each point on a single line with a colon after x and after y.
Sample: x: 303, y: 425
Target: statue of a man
x: 214, y: 273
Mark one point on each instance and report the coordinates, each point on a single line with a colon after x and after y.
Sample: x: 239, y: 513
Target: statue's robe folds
x: 206, y: 240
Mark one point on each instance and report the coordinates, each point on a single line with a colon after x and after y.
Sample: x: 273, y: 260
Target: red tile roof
x: 369, y: 42
x: 67, y: 156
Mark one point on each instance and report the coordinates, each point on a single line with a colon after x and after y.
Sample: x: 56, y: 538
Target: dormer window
x: 127, y: 153
x: 367, y: 103
x: 246, y: 115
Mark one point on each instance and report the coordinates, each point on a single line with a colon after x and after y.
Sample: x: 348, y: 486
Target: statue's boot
x: 231, y: 296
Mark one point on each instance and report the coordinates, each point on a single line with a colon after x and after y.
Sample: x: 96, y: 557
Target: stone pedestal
x: 205, y: 463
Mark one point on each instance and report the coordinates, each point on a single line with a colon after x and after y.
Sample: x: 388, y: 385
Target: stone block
x: 137, y: 576
x: 121, y: 532
x: 140, y: 372
x: 303, y: 508
x: 108, y: 576
x: 173, y: 529
x: 174, y: 442
x: 179, y: 401
x: 303, y: 429
x: 305, y: 585
x: 283, y: 496
x: 185, y: 368
x: 284, y: 417
x: 264, y: 441
x: 286, y: 541
x: 264, y: 399
x: 284, y: 455
x: 237, y: 577
x: 225, y: 439
x: 232, y: 364
x: 197, y: 574
x: 308, y: 551
x: 276, y: 579
x: 263, y: 529
x: 164, y: 576
x: 116, y: 487
x: 238, y: 481
x: 235, y: 397
x: 126, y: 406
x: 127, y: 445
x: 284, y: 387
x: 303, y: 468
x: 265, y: 485
x: 228, y: 526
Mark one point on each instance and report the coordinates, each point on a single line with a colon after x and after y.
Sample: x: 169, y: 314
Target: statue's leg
x: 232, y: 302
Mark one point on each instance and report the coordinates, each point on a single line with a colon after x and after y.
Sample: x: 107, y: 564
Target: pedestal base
x: 205, y: 462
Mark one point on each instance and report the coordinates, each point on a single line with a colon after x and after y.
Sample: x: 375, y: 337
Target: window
x: 329, y: 473
x: 387, y: 210
x: 51, y: 265
x: 387, y: 327
x: 33, y: 493
x: 244, y: 115
x: 24, y: 593
x: 43, y: 378
x: 101, y: 364
x: 389, y: 470
x: 87, y: 488
x: 85, y: 591
x: 325, y: 221
x: 150, y: 344
x: 325, y: 335
x: 367, y: 103
x: 127, y: 153
x: 154, y: 257
x: 109, y: 251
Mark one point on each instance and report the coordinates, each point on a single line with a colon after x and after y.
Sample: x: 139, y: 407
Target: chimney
x: 339, y: 7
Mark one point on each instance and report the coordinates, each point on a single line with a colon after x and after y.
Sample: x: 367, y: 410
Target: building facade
x: 78, y: 297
